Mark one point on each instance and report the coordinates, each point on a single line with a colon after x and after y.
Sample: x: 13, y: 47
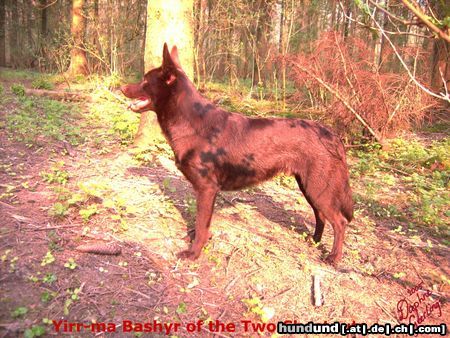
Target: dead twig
x: 387, y: 312
x: 59, y: 95
x: 7, y: 205
x: 53, y: 227
x: 139, y: 293
x: 282, y: 292
x: 21, y: 219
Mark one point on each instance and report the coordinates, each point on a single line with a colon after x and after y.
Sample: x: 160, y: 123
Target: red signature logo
x: 421, y: 308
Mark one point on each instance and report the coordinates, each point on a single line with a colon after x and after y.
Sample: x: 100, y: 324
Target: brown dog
x: 218, y: 150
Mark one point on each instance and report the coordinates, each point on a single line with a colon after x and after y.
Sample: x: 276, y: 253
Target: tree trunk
x: 78, y: 60
x: 43, y: 18
x: 347, y: 21
x: 440, y: 64
x: 2, y: 33
x: 29, y: 22
x: 13, y: 33
x: 199, y: 38
x: 379, y: 45
x: 283, y: 50
x: 168, y: 21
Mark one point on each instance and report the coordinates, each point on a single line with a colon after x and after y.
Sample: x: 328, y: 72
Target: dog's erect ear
x: 167, y: 60
x: 168, y: 66
x: 174, y: 56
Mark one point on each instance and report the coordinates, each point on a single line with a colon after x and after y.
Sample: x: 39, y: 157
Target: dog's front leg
x: 205, y: 207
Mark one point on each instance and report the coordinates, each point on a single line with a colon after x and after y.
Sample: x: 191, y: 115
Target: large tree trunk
x: 78, y: 60
x: 168, y: 21
x: 2, y: 34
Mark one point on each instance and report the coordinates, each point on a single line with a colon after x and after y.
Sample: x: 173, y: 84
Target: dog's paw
x: 311, y: 241
x: 188, y: 254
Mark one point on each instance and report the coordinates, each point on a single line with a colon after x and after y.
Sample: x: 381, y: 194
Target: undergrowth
x: 107, y: 111
x: 14, y: 74
x: 36, y: 120
x: 408, y: 182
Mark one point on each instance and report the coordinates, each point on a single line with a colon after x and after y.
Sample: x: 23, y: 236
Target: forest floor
x: 68, y: 176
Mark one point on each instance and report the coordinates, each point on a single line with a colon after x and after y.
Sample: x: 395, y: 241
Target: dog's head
x: 157, y: 85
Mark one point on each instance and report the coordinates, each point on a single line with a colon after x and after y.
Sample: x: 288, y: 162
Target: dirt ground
x: 258, y: 268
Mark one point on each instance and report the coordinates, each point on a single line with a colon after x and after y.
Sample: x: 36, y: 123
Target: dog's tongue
x: 140, y: 104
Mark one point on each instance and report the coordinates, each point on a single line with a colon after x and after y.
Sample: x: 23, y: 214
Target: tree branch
x: 425, y: 20
x: 443, y: 96
x: 340, y: 98
x: 402, y: 21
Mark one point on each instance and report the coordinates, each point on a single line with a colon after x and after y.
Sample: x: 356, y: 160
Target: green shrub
x: 423, y: 172
x: 18, y: 89
x: 42, y: 83
x: 58, y: 210
x: 38, y: 118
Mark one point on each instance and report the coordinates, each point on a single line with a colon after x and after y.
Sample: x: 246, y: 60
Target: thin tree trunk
x: 43, y: 19
x: 382, y: 39
x: 13, y: 29
x: 28, y: 11
x: 2, y: 33
x: 283, y: 48
x: 347, y: 20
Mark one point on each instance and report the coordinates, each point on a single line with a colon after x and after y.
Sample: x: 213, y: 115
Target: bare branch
x: 340, y: 98
x: 443, y: 96
x: 398, y: 32
x: 402, y: 21
x: 40, y: 6
x: 425, y: 20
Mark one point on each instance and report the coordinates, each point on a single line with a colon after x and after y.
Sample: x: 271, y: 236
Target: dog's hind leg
x: 205, y: 206
x: 339, y: 223
x: 320, y: 218
x: 322, y: 198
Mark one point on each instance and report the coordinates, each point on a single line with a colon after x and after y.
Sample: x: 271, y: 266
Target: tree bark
x: 78, y: 60
x: 169, y: 21
x: 2, y: 33
x: 13, y: 32
x: 440, y: 65
x: 43, y: 18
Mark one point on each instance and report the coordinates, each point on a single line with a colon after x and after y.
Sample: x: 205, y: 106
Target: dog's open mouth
x: 141, y: 105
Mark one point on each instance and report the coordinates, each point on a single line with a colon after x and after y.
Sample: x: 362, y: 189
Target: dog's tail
x: 347, y: 203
